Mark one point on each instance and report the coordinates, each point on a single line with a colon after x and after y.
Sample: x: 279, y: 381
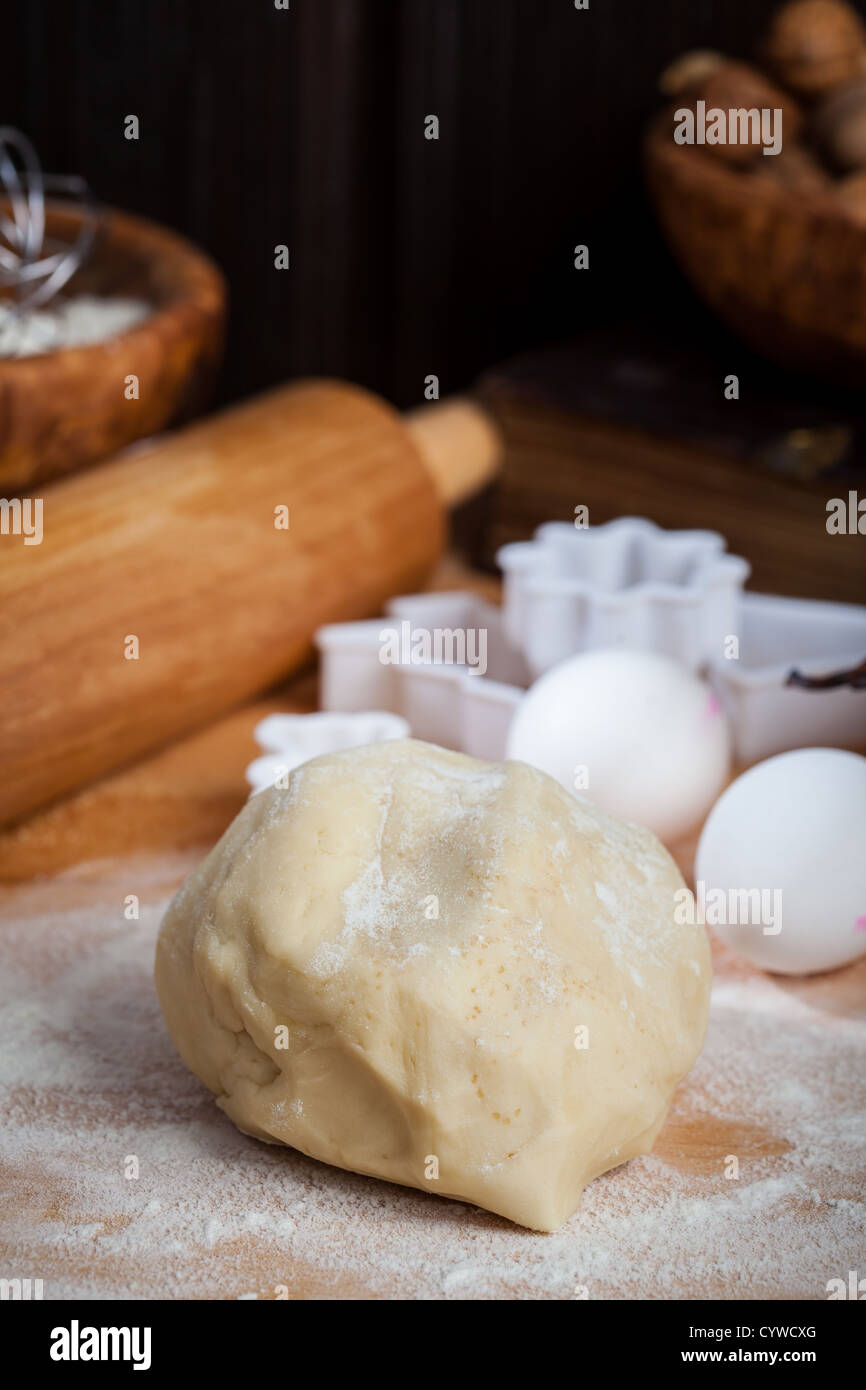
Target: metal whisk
x: 35, y: 266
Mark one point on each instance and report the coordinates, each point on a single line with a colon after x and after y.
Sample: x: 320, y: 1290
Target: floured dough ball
x: 443, y: 972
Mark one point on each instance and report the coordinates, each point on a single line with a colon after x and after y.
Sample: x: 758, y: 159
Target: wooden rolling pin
x: 177, y: 549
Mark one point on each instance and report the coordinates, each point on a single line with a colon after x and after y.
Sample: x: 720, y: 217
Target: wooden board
x: 560, y: 455
x: 780, y: 1087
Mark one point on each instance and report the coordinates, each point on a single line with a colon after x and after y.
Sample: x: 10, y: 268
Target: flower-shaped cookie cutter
x: 292, y: 739
x: 625, y: 583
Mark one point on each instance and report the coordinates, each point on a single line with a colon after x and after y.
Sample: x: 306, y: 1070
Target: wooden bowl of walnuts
x: 776, y: 242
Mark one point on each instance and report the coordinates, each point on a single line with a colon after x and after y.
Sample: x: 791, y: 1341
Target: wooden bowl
x: 64, y: 409
x: 786, y: 270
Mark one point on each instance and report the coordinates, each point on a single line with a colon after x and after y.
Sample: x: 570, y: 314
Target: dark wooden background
x: 306, y: 127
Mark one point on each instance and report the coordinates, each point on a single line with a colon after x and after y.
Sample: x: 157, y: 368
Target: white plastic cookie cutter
x: 627, y: 583
x: 780, y: 635
x: 472, y: 713
x: 459, y: 706
x: 696, y: 595
x: 292, y: 739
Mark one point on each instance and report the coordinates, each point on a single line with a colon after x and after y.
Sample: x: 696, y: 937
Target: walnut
x: 850, y: 194
x: 816, y: 45
x: 734, y: 86
x: 685, y: 76
x: 839, y: 126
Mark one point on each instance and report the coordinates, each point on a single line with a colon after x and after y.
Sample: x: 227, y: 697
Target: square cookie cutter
x: 780, y: 635
x: 453, y: 704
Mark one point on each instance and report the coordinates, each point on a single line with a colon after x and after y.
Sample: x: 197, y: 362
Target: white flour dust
x: 73, y: 322
x: 92, y: 1090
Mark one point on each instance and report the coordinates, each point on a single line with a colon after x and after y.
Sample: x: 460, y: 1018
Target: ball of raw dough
x: 443, y: 972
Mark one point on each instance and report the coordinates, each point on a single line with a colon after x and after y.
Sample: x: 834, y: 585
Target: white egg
x: 783, y: 854
x: 632, y: 731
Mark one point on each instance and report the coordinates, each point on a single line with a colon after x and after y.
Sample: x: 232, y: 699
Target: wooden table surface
x: 781, y: 1086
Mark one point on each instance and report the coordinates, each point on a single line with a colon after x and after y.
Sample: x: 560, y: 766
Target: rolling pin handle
x: 460, y: 445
